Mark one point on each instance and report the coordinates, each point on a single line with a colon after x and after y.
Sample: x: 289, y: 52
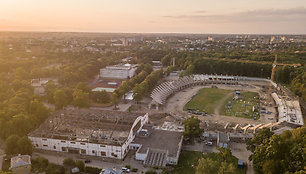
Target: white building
x: 121, y: 71
x: 89, y: 132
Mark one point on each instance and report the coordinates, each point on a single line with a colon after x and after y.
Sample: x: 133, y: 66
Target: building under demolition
x: 109, y: 134
x: 89, y: 132
x: 289, y: 111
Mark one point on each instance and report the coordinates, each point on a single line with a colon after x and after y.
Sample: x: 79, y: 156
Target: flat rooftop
x: 161, y: 140
x: 88, y: 125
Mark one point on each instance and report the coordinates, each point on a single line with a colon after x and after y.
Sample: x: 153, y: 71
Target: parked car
x: 87, y: 161
x: 209, y: 143
x: 124, y: 169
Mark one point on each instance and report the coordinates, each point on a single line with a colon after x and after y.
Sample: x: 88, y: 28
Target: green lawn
x: 189, y: 158
x: 186, y: 160
x: 207, y: 99
x: 242, y: 107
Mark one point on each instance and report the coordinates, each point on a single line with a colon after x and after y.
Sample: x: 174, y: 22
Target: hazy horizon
x: 137, y: 16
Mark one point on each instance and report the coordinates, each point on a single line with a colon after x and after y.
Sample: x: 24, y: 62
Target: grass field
x: 186, y: 160
x: 189, y: 158
x: 207, y: 99
x: 242, y: 107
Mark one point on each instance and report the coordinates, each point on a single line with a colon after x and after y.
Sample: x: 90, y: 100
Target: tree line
x: 284, y: 153
x: 144, y: 88
x: 294, y: 77
x: 142, y: 72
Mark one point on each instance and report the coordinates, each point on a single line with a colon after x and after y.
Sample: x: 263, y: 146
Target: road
x: 98, y: 162
x: 1, y: 157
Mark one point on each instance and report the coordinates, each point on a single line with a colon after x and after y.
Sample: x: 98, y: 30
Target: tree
x: 190, y: 69
x: 138, y: 93
x: 55, y: 169
x: 207, y: 166
x: 69, y: 162
x: 115, y: 100
x: 222, y: 162
x: 192, y: 128
x: 148, y: 68
x: 226, y: 168
x: 49, y: 91
x: 38, y: 110
x: 100, y: 97
x: 81, y: 99
x: 11, y: 146
x: 60, y: 99
x: 16, y: 145
x: 80, y: 164
x: 25, y: 146
x: 278, y: 153
x: 262, y: 136
x: 84, y: 87
x: 39, y: 164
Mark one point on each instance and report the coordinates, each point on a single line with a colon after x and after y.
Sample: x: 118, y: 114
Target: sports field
x: 245, y: 105
x: 207, y: 99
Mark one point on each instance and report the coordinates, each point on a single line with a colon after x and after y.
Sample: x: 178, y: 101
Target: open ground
x: 176, y: 103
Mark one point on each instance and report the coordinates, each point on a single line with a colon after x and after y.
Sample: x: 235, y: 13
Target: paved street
x: 98, y: 162
x: 1, y: 157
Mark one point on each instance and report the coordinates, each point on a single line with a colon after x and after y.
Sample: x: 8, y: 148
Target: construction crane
x: 274, y: 65
x: 273, y: 68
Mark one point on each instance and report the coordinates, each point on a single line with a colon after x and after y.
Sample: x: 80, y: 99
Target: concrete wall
x: 89, y: 148
x: 141, y: 156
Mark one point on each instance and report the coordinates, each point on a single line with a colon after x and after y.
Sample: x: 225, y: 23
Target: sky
x: 155, y: 16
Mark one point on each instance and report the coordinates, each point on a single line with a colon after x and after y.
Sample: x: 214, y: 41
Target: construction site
x: 89, y: 132
x: 275, y: 112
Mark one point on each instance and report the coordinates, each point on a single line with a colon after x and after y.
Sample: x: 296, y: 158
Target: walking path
x: 221, y: 103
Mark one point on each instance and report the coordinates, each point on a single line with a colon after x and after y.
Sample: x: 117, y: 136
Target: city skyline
x: 136, y: 16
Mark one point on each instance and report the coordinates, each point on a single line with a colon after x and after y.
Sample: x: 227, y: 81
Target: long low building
x: 89, y: 132
x: 120, y: 71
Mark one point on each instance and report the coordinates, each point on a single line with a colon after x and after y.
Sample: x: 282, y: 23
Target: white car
x: 209, y: 143
x: 124, y: 169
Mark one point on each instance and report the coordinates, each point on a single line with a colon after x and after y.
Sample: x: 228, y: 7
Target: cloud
x: 276, y: 12
x: 200, y: 11
x: 259, y: 15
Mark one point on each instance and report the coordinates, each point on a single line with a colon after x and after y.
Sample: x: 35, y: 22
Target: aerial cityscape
x: 171, y: 87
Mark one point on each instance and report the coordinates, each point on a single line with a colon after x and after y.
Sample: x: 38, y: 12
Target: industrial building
x: 89, y: 132
x: 110, y: 134
x: 120, y: 71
